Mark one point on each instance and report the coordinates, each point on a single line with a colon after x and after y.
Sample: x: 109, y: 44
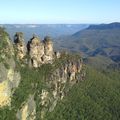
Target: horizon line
x: 55, y: 23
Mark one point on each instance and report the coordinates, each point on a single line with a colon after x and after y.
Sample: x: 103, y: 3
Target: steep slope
x: 97, y: 98
x: 42, y: 88
x: 9, y: 77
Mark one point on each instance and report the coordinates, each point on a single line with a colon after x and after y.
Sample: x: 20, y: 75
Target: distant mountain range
x: 114, y: 25
x: 53, y: 30
x: 97, y: 41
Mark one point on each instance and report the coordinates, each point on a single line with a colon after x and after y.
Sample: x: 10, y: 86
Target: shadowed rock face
x: 20, y: 45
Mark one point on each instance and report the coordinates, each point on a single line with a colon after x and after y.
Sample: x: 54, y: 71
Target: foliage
x: 97, y: 98
x: 32, y: 82
x: 3, y: 34
x: 3, y: 44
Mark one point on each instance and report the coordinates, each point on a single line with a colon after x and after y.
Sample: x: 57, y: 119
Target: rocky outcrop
x: 64, y: 75
x: 9, y: 81
x: 57, y: 54
x: 9, y: 77
x: 36, y: 51
x: 28, y: 110
x: 40, y: 52
x: 48, y: 50
x: 59, y: 82
x: 20, y: 45
x: 40, y: 89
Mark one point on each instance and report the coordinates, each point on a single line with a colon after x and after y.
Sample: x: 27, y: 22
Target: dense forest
x: 96, y: 98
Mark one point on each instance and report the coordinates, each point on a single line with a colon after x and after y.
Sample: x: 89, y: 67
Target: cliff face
x: 9, y: 78
x: 66, y: 73
x: 40, y: 89
x: 28, y: 110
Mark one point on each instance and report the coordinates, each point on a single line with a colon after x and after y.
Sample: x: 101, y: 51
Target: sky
x: 59, y: 11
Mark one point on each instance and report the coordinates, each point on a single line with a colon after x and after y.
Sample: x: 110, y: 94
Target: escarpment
x: 9, y: 77
x: 33, y: 89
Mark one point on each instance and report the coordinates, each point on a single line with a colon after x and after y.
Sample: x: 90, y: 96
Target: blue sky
x: 59, y: 11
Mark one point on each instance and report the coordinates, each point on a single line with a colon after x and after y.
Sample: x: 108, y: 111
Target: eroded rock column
x: 48, y: 52
x: 36, y: 51
x: 20, y: 45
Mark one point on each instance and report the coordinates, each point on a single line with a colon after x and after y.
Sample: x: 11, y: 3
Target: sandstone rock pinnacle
x: 36, y: 51
x: 40, y: 52
x: 20, y: 45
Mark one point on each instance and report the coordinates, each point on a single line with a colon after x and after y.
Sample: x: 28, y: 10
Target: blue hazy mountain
x: 98, y: 42
x: 115, y: 25
x: 53, y: 30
